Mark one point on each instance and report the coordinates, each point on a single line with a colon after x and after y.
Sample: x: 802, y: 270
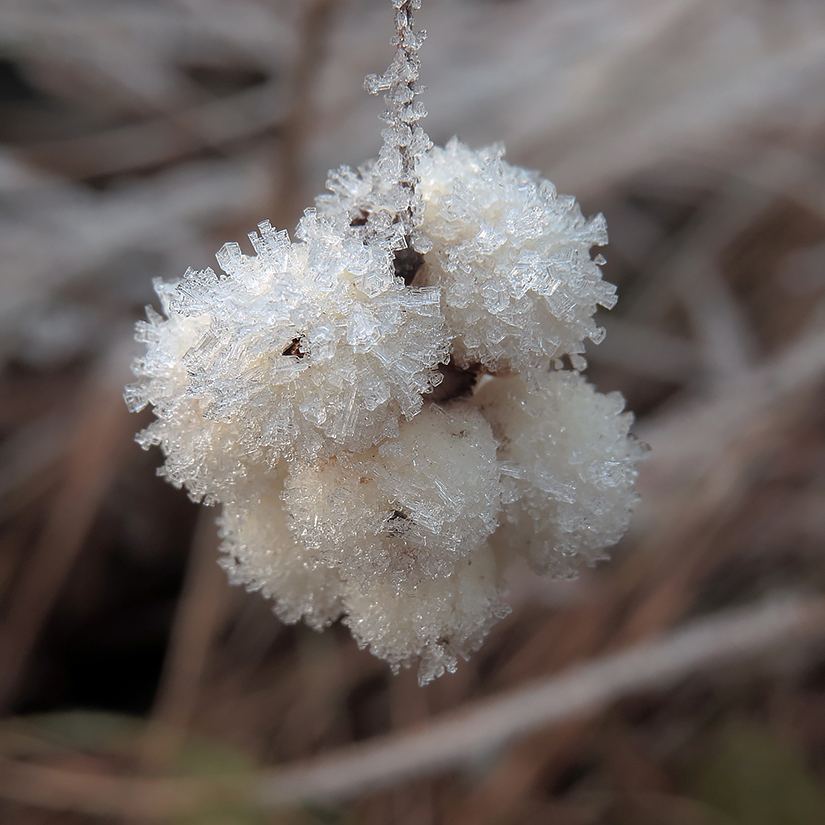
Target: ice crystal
x: 435, y: 620
x: 262, y: 554
x: 324, y: 391
x: 568, y: 467
x: 418, y: 502
x: 513, y: 260
x: 266, y: 358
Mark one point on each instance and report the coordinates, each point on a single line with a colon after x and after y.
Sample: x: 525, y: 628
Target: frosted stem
x: 404, y: 140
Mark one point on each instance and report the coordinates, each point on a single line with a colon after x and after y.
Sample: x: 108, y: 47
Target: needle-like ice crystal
x: 305, y: 349
x: 512, y: 258
x: 416, y: 503
x: 325, y: 391
x: 567, y: 465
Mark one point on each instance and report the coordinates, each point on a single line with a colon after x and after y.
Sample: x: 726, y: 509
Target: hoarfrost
x: 295, y: 388
x: 512, y: 258
x: 568, y: 469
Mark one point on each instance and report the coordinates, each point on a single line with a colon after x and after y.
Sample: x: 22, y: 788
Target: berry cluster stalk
x: 404, y: 139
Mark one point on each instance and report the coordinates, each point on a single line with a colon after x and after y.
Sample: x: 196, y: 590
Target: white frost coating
x: 297, y: 390
x: 414, y: 505
x: 568, y: 469
x: 261, y: 554
x: 305, y: 349
x: 434, y: 620
x: 200, y: 453
x: 513, y: 260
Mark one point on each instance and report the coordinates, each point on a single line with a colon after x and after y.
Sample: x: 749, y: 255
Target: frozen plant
x: 379, y: 404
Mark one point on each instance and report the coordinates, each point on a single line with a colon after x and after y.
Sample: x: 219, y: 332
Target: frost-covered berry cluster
x: 378, y: 404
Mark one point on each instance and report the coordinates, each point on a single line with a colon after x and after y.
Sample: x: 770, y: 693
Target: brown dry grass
x: 136, y: 137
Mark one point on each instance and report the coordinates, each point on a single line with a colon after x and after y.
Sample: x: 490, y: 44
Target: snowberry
x: 325, y: 391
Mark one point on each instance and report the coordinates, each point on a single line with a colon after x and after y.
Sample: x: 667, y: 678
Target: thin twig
x: 91, y: 463
x: 292, y: 136
x: 488, y: 726
x: 199, y: 611
x: 688, y: 439
x: 451, y: 741
x: 161, y: 139
x: 87, y: 230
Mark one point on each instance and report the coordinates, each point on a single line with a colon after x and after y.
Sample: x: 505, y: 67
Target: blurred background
x: 137, y: 136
